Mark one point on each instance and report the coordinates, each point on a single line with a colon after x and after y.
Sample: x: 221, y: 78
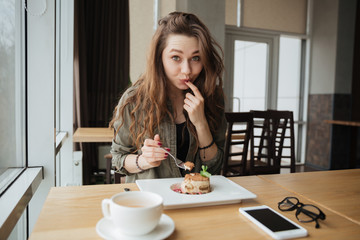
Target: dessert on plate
x: 196, y: 183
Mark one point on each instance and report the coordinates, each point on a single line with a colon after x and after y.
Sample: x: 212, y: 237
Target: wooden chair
x: 238, y: 135
x: 108, y: 175
x: 118, y: 177
x: 263, y: 160
x: 285, y: 138
x: 272, y: 133
x: 108, y: 158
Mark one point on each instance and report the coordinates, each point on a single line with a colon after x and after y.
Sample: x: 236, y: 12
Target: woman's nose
x: 185, y: 68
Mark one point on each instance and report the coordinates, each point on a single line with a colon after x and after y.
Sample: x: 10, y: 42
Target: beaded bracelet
x: 203, y: 148
x: 137, y: 163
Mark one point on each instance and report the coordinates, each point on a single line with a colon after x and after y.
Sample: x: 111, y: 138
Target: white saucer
x: 106, y: 229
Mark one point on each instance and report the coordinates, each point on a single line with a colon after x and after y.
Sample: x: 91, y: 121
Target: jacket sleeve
x: 122, y: 144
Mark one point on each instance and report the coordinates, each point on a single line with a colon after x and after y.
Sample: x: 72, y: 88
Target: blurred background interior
x: 64, y: 65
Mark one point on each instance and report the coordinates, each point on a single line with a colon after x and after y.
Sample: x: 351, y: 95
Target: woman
x: 177, y: 104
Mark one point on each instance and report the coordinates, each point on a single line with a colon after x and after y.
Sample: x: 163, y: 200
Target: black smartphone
x: 273, y: 223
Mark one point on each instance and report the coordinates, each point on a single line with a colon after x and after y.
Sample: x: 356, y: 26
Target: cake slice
x: 195, y: 183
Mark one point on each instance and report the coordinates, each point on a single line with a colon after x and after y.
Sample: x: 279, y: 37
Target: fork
x: 178, y: 162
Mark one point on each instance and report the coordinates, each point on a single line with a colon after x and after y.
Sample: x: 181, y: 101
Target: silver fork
x: 178, y: 162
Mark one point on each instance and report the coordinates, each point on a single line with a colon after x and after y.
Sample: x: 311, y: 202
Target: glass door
x: 266, y: 71
x: 251, y: 71
x: 250, y: 76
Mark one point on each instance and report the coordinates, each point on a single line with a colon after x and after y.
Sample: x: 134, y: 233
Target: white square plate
x: 224, y: 191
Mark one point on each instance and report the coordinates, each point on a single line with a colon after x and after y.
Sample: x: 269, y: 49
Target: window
x: 289, y: 85
x: 289, y: 75
x: 12, y: 93
x: 250, y: 68
x: 13, y: 111
x: 18, y: 181
x: 264, y: 71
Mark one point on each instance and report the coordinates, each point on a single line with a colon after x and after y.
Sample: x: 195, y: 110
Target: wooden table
x: 93, y: 135
x: 72, y: 212
x: 338, y: 191
x: 344, y: 123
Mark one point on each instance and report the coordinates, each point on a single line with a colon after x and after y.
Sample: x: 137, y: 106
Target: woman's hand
x: 152, y: 153
x: 194, y: 105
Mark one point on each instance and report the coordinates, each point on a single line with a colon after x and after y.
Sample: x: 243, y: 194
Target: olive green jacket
x: 122, y: 145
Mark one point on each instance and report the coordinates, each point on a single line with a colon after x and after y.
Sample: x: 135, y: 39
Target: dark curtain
x: 356, y: 70
x: 101, y: 67
x: 355, y: 93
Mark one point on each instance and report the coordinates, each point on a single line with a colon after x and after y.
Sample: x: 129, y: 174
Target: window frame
x: 233, y: 33
x: 15, y: 198
x: 10, y: 175
x: 272, y: 40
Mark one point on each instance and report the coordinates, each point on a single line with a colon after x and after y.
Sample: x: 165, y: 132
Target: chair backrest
x: 263, y: 160
x: 273, y: 132
x: 238, y: 135
x: 117, y: 177
x: 285, y: 138
x: 109, y: 169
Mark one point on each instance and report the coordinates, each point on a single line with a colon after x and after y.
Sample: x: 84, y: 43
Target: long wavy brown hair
x: 151, y: 96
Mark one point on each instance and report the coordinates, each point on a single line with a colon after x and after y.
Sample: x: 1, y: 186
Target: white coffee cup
x: 134, y: 213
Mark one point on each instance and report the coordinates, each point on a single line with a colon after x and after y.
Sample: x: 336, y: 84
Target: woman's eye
x: 175, y: 58
x: 196, y: 58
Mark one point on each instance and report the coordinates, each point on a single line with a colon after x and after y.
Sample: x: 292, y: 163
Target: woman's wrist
x: 137, y: 163
x: 203, y: 126
x: 142, y: 164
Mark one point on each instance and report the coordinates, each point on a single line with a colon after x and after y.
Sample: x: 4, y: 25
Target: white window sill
x: 7, y: 177
x: 16, y: 198
x: 60, y: 138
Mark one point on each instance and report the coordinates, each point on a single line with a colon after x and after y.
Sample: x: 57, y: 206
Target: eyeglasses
x: 304, y: 212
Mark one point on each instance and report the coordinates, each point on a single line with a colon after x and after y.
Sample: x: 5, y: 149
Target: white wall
x: 211, y: 12
x: 141, y: 31
x: 41, y: 102
x: 332, y: 46
x: 324, y: 40
x: 142, y: 22
x: 166, y: 7
x: 43, y: 69
x: 67, y: 168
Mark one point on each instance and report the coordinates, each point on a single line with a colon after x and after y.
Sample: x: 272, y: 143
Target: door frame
x: 233, y: 33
